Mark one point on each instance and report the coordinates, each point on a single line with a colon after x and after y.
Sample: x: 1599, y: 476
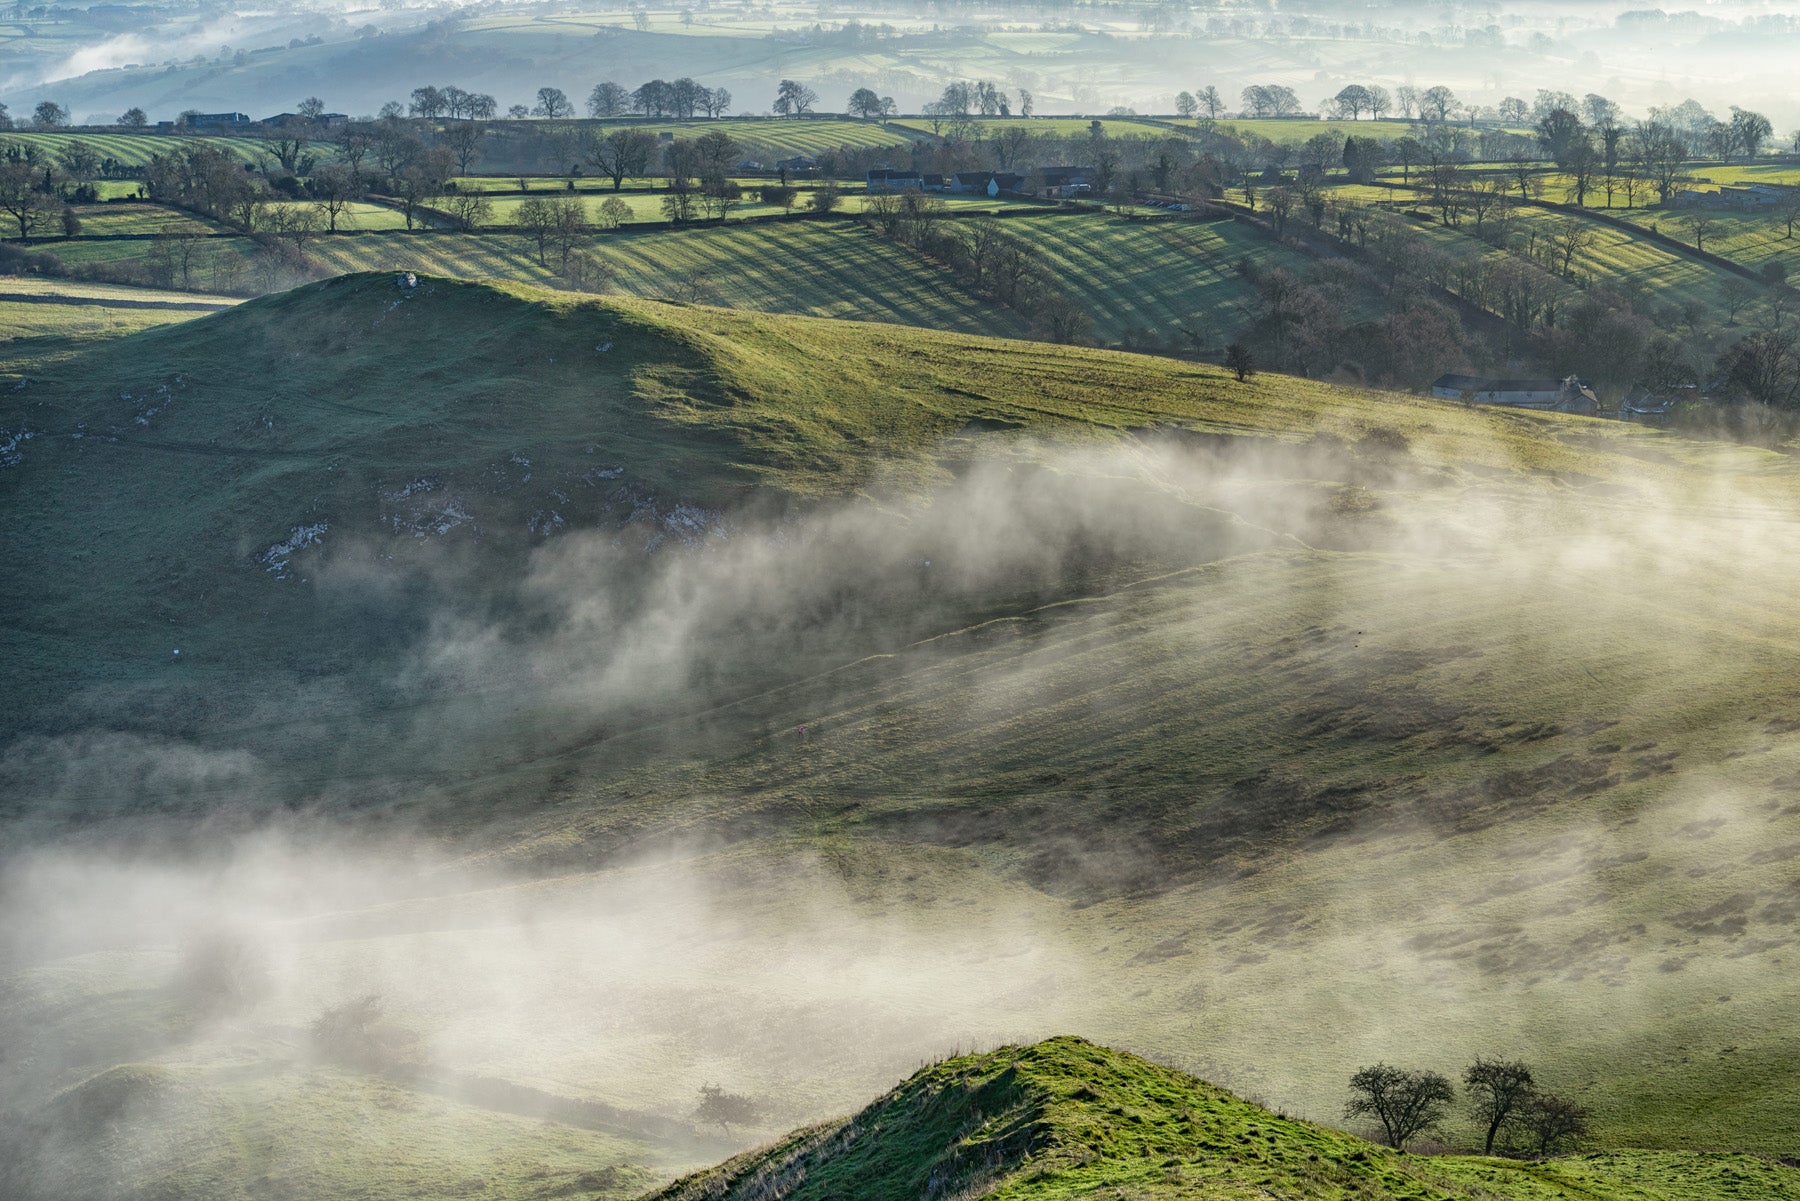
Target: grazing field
x: 359, y: 215
x: 772, y: 137
x: 1753, y: 239
x: 32, y: 316
x: 1171, y: 284
x: 136, y: 149
x: 825, y: 269
x: 114, y: 220
x: 1661, y: 274
x: 1059, y: 127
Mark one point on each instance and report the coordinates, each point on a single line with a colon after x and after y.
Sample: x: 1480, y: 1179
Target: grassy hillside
x: 136, y: 149
x: 783, y: 699
x: 1065, y: 1118
x: 1142, y: 283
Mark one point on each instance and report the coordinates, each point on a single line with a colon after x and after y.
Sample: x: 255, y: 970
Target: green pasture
x: 358, y: 215
x: 1170, y: 283
x: 1748, y: 173
x: 1616, y: 257
x: 1753, y: 239
x: 136, y: 149
x: 828, y: 269
x: 1057, y: 127
x: 772, y: 137
x: 76, y: 317
x: 104, y: 220
x: 221, y: 264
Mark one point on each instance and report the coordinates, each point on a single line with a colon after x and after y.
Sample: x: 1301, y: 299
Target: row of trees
x: 1696, y: 130
x: 1502, y: 1098
x: 48, y: 114
x: 683, y: 98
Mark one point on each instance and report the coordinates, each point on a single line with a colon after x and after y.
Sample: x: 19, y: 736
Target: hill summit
x: 1065, y: 1118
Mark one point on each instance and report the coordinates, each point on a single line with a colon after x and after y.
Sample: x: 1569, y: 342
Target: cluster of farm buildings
x: 1569, y: 395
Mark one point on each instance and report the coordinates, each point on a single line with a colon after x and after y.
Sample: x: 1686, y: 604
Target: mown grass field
x: 359, y: 215
x: 33, y: 314
x: 1167, y: 283
x: 818, y: 269
x: 1753, y: 239
x: 773, y: 137
x: 136, y: 149
x: 111, y: 220
x: 1059, y: 127
x: 1616, y: 257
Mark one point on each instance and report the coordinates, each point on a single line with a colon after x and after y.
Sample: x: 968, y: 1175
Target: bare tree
x: 718, y: 1107
x: 467, y: 209
x: 552, y: 221
x: 1553, y: 1121
x: 464, y: 140
x: 621, y: 153
x: 794, y: 99
x: 552, y: 104
x: 1405, y: 1103
x: 608, y: 100
x: 1498, y: 1093
x: 1789, y: 210
x: 1568, y: 238
x: 335, y: 187
x: 614, y: 213
x: 22, y: 195
x: 1241, y: 363
x: 1699, y: 223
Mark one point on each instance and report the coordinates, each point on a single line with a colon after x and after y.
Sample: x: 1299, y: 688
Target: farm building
x: 985, y: 183
x: 1061, y: 182
x: 328, y: 120
x: 1559, y: 395
x: 889, y: 179
x: 195, y: 120
x: 1745, y: 199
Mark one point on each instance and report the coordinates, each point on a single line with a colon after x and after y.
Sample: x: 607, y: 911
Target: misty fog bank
x: 1218, y: 748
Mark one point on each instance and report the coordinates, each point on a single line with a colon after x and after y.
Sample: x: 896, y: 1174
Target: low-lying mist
x: 1208, y: 663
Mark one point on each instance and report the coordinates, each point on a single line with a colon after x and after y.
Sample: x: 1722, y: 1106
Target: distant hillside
x: 1065, y: 1118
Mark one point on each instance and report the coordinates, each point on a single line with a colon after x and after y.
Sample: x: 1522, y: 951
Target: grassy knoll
x: 1336, y: 727
x: 1065, y: 1118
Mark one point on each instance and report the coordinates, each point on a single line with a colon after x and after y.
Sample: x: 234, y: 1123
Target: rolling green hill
x: 1065, y: 1118
x: 647, y: 695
